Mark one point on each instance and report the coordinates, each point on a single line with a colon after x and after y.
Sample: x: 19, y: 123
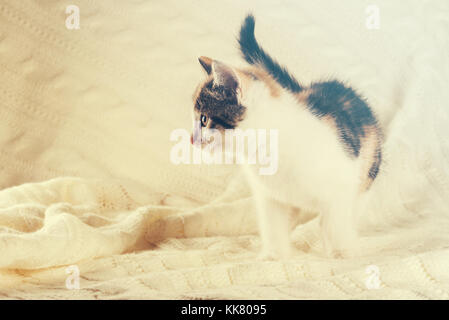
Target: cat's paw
x: 267, y: 256
x: 344, y: 250
x: 342, y: 253
x: 350, y: 253
x: 274, y: 255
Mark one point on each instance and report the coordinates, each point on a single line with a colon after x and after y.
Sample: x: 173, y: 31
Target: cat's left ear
x: 206, y: 63
x: 225, y: 76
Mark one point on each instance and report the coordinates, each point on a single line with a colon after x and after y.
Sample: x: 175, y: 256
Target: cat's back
x: 343, y: 109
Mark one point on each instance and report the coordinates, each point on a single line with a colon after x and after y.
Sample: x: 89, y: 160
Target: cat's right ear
x: 206, y: 63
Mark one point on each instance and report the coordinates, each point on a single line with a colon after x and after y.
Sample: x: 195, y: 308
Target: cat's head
x: 217, y: 102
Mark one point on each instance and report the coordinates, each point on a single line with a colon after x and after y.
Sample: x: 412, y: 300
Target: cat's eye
x: 203, y: 120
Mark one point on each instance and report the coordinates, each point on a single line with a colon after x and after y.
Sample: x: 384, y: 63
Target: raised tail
x: 255, y: 55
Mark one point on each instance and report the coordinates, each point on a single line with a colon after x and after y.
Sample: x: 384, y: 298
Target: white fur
x: 314, y: 173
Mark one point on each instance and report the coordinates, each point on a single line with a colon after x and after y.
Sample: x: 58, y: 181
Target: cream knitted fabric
x: 85, y: 121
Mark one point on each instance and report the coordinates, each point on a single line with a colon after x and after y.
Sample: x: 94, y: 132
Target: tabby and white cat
x: 329, y: 143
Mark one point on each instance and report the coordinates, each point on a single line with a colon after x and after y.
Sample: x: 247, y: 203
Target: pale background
x: 85, y: 115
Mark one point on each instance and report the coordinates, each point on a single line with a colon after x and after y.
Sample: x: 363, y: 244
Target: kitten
x: 329, y: 143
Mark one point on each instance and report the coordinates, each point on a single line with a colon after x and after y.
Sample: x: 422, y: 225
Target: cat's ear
x: 225, y: 76
x: 206, y: 63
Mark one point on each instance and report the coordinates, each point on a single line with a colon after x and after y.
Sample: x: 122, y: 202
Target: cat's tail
x: 255, y: 55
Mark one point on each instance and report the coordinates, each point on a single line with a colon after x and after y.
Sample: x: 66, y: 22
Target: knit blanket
x: 91, y: 207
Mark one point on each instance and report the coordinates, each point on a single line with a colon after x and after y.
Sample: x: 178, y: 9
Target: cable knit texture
x: 86, y: 181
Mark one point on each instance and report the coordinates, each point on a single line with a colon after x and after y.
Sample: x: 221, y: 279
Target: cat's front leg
x: 273, y: 219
